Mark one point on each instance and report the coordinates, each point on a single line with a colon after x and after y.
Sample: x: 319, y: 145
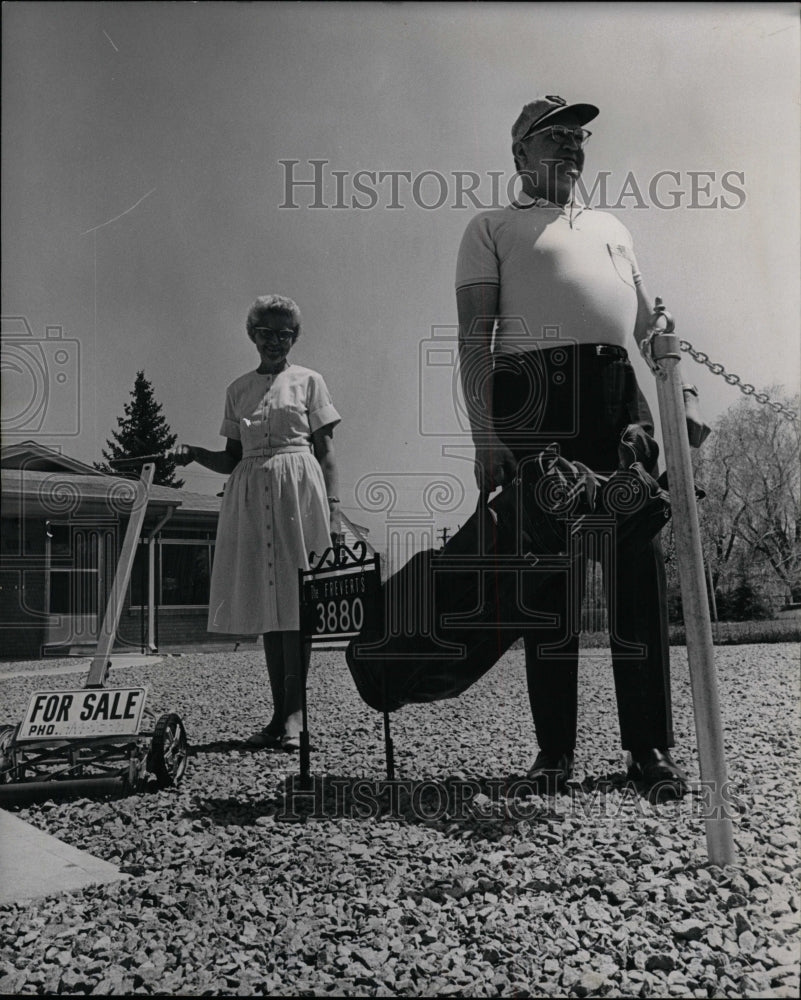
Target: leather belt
x: 267, y: 452
x: 603, y: 351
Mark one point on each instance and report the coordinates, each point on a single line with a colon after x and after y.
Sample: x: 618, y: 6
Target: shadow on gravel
x: 242, y: 746
x: 482, y: 806
x: 223, y: 746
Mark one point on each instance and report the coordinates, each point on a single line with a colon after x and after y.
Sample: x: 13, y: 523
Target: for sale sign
x: 56, y: 715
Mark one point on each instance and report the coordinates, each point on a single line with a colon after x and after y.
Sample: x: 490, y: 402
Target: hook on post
x: 660, y: 334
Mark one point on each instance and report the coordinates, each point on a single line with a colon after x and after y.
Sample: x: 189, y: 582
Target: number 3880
x: 340, y: 616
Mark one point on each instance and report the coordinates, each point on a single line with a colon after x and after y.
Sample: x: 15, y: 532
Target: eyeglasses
x: 284, y: 336
x: 561, y: 132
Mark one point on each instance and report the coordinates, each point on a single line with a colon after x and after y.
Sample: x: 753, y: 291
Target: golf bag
x: 448, y: 615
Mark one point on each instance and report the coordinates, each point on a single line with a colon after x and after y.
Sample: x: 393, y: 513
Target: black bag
x: 450, y: 614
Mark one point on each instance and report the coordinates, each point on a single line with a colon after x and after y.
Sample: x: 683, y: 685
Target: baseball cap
x: 548, y: 111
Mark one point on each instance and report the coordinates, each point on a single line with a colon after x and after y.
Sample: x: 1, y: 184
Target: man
x: 548, y: 294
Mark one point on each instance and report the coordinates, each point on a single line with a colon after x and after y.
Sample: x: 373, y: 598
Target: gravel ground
x: 450, y: 884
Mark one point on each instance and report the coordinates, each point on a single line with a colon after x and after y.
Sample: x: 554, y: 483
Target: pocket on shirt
x: 288, y: 424
x: 623, y: 262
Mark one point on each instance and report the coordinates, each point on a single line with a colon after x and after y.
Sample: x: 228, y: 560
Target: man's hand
x: 697, y: 429
x: 637, y: 445
x: 495, y: 465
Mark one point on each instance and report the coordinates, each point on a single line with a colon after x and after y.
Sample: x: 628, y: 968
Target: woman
x: 280, y: 503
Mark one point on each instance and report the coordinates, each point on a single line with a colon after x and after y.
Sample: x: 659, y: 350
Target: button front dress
x: 274, y: 510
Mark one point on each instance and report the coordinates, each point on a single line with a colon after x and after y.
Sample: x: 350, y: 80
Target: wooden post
x: 665, y: 355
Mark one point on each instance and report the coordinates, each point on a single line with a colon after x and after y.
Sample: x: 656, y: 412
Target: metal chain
x: 745, y: 387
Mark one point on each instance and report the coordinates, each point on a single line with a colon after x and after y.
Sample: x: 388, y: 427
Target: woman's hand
x: 183, y: 454
x: 223, y: 462
x: 335, y: 523
x: 323, y: 444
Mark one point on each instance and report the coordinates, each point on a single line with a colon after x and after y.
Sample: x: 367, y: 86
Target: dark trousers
x: 582, y: 398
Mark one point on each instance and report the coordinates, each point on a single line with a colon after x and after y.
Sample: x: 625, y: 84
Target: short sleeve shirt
x: 563, y: 273
x: 277, y: 411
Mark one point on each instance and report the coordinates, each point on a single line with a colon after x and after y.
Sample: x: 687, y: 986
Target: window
x: 74, y: 554
x: 73, y: 592
x: 138, y: 583
x: 183, y: 573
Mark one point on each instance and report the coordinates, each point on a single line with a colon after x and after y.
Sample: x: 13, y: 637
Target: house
x: 63, y: 524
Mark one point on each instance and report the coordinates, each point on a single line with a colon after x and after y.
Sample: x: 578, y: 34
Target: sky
x: 149, y: 156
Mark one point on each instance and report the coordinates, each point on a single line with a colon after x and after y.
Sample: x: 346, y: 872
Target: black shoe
x: 659, y: 775
x: 264, y: 739
x: 550, y: 772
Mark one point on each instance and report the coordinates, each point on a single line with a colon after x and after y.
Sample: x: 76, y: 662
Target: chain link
x: 745, y: 387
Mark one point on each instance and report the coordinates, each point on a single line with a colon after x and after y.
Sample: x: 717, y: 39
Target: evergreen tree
x: 142, y: 431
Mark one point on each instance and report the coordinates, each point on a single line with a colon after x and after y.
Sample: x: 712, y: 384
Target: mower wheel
x: 7, y: 736
x: 168, y: 751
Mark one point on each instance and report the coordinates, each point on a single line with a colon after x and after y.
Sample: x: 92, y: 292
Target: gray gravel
x: 455, y: 885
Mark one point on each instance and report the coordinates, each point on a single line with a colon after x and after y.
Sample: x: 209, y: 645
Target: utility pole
x: 445, y: 535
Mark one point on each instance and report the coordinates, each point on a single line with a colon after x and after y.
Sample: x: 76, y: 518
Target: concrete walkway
x: 34, y: 864
x: 118, y: 660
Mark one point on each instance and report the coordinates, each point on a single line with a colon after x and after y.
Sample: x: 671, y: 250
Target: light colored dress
x: 274, y: 510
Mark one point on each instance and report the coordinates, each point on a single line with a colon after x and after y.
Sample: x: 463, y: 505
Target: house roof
x: 40, y: 482
x: 32, y: 493
x: 32, y: 455
x: 196, y: 503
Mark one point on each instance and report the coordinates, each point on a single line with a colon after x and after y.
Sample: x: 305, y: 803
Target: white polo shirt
x: 565, y: 273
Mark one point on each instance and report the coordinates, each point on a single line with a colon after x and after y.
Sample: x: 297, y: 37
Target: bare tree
x: 751, y: 471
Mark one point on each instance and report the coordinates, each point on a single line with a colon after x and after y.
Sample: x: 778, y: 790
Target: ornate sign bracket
x: 339, y: 556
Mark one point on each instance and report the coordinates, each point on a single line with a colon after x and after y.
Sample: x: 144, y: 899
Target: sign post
x: 98, y: 670
x: 337, y: 596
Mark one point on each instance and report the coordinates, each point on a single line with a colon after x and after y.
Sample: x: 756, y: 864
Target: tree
x: 719, y: 511
x: 743, y: 604
x: 142, y: 431
x: 751, y: 472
